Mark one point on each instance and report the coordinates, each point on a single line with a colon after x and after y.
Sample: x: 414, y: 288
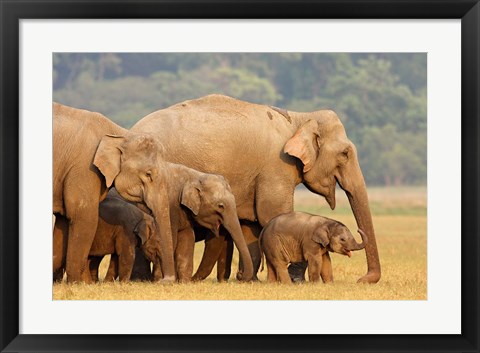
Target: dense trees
x: 381, y: 98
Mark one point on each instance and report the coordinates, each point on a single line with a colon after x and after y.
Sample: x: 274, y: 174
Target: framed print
x: 401, y: 79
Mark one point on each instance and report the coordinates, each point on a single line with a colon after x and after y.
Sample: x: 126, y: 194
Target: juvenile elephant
x: 90, y: 154
x: 121, y: 228
x: 205, y: 200
x: 143, y: 272
x: 264, y: 153
x: 297, y: 237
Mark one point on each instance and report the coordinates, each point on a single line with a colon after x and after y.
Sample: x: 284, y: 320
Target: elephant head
x: 337, y: 238
x: 149, y: 240
x: 328, y: 157
x: 212, y: 204
x: 132, y: 164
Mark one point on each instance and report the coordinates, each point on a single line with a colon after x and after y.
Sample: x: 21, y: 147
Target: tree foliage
x: 381, y: 98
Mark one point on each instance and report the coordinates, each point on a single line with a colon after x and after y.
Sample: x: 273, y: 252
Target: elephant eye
x: 343, y: 156
x: 148, y: 174
x: 346, y: 152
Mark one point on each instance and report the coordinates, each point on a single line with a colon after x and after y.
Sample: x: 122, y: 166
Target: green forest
x: 381, y: 98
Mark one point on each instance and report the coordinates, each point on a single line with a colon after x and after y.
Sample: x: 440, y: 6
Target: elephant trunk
x: 232, y: 225
x: 360, y: 246
x: 358, y: 198
x: 157, y: 200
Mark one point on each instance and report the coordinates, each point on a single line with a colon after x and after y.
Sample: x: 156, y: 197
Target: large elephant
x: 91, y: 154
x: 205, y: 200
x: 264, y: 152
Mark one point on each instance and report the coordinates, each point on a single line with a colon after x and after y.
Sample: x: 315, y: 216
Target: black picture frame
x: 12, y: 11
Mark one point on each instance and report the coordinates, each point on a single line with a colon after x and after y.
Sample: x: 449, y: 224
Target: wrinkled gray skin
x: 91, y: 154
x: 199, y: 199
x: 298, y: 237
x: 121, y: 228
x: 264, y: 152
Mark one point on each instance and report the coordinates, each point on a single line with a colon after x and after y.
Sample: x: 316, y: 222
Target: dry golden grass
x: 399, y: 216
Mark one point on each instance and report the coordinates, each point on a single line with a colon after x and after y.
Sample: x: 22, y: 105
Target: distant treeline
x: 381, y: 98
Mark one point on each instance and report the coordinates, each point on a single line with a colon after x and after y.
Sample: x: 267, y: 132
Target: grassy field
x: 400, y: 220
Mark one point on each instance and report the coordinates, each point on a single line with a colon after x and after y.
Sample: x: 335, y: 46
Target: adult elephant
x: 91, y: 154
x: 264, y: 152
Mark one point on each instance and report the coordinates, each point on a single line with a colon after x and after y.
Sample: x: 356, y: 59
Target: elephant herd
x: 216, y: 169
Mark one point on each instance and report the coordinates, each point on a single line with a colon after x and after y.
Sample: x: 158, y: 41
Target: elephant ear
x: 107, y: 157
x: 303, y: 144
x: 142, y: 230
x: 190, y: 197
x: 320, y: 236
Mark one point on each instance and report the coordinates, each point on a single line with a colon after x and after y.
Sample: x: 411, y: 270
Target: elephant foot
x: 371, y: 277
x: 198, y: 277
x: 167, y: 280
x: 298, y: 280
x: 296, y: 271
x: 239, y: 277
x: 80, y: 278
x: 58, y: 276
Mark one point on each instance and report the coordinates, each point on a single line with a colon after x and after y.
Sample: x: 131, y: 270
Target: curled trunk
x: 364, y: 242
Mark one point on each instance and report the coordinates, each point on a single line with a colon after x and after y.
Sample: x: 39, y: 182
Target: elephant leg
x: 58, y: 275
x: 271, y: 273
x: 297, y: 270
x: 81, y: 198
x: 251, y: 232
x: 280, y: 265
x: 141, y: 268
x: 93, y: 264
x: 327, y: 272
x: 213, y: 248
x: 80, y: 238
x: 112, y: 272
x: 59, y: 251
x: 282, y: 272
x: 125, y: 265
x: 184, y: 255
x: 157, y: 271
x: 224, y: 263
x: 314, y: 269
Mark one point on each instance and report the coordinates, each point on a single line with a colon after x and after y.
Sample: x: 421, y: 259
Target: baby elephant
x: 121, y: 228
x: 297, y: 236
x: 199, y: 200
